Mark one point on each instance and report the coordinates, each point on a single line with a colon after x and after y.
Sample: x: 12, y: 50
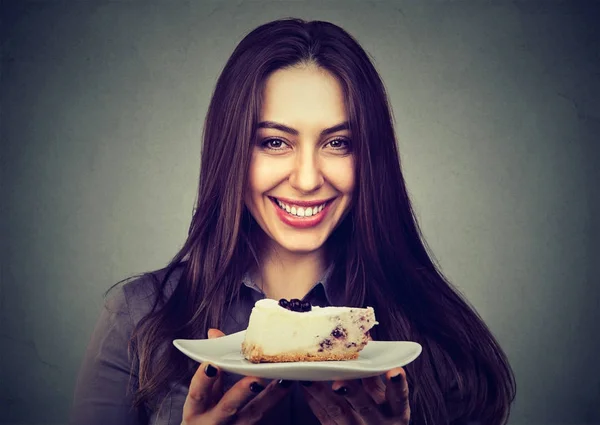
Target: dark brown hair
x: 379, y: 255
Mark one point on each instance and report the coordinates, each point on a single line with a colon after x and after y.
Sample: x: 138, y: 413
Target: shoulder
x: 137, y: 296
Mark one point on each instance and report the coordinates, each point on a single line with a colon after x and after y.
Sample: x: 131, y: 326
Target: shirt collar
x: 331, y: 295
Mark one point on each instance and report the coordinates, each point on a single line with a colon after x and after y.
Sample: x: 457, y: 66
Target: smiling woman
x: 301, y: 195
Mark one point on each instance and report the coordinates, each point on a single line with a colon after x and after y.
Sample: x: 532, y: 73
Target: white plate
x: 375, y: 359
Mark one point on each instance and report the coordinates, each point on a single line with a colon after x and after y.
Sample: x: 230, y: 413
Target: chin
x: 302, y: 249
x: 299, y: 247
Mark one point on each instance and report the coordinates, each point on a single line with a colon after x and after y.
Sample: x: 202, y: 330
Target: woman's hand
x: 246, y: 402
x: 368, y: 403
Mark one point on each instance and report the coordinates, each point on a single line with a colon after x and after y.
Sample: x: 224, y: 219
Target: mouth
x: 301, y: 214
x: 301, y: 209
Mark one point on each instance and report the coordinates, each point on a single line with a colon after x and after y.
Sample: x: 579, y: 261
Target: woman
x: 299, y: 120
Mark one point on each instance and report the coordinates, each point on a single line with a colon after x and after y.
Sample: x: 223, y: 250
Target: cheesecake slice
x: 292, y: 331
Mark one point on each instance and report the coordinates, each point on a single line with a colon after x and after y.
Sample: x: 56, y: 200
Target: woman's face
x: 302, y: 169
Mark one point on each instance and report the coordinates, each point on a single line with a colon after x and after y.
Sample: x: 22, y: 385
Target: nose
x: 306, y: 175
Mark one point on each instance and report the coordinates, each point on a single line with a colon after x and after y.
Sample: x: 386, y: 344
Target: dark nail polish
x: 255, y: 387
x: 284, y: 383
x: 306, y: 383
x: 210, y: 371
x: 341, y: 391
x: 396, y: 378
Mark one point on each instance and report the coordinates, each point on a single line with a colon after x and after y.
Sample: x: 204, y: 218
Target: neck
x: 288, y: 275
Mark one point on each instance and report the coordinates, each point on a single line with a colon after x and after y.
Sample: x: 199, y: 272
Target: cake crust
x: 254, y: 354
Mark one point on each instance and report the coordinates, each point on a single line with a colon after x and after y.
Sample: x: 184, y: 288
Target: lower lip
x: 301, y: 222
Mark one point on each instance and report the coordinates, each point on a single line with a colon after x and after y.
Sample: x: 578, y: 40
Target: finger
x: 397, y: 394
x: 365, y: 407
x: 200, y: 391
x: 375, y: 387
x: 256, y: 409
x: 217, y: 391
x: 328, y: 407
x: 215, y: 333
x: 235, y: 399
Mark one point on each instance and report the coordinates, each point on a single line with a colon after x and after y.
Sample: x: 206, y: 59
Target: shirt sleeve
x: 105, y: 385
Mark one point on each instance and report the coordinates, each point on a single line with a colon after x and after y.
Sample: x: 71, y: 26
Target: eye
x: 273, y: 144
x: 339, y: 144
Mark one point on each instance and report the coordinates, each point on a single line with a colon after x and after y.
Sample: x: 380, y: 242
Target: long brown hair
x: 379, y: 255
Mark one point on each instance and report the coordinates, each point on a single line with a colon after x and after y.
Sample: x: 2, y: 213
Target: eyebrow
x: 277, y: 126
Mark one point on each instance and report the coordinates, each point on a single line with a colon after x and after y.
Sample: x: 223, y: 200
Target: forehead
x: 303, y: 96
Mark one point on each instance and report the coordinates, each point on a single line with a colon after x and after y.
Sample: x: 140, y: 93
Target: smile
x: 300, y: 211
x: 301, y: 214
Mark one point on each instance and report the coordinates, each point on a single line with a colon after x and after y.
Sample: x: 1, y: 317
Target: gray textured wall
x: 497, y: 106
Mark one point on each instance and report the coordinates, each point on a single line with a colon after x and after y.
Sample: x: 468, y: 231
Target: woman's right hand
x: 246, y: 402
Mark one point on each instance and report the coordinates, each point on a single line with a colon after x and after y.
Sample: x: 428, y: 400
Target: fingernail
x: 210, y: 371
x: 341, y: 391
x: 396, y: 378
x: 284, y: 383
x: 306, y: 383
x: 255, y: 387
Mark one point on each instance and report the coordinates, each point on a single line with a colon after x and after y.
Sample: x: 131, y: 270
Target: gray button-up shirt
x: 102, y: 396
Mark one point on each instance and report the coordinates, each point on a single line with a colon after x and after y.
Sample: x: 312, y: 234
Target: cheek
x: 341, y: 175
x: 264, y: 175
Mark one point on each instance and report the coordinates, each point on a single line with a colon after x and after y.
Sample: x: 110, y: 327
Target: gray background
x: 497, y: 107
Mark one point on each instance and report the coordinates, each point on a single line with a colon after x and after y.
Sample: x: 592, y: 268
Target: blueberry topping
x: 295, y: 304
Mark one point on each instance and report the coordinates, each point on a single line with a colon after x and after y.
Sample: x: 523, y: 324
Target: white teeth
x: 300, y: 211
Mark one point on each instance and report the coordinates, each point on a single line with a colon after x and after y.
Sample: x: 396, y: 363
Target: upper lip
x: 303, y: 203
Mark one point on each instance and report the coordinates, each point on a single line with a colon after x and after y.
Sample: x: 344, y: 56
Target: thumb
x: 215, y: 333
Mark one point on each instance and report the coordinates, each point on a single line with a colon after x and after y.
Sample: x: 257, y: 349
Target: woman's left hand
x: 370, y: 402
